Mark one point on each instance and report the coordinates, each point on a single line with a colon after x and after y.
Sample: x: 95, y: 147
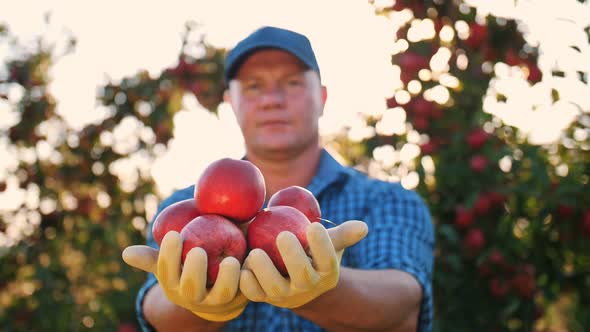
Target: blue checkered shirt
x: 401, y: 237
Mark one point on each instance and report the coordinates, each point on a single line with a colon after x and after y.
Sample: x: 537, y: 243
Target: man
x: 381, y: 282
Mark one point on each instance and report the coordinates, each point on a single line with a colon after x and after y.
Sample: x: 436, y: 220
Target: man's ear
x: 226, y: 96
x: 324, y: 98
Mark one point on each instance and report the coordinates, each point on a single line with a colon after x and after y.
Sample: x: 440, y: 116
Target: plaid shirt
x: 400, y: 237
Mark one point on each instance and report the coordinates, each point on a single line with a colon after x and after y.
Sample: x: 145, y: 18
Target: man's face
x: 277, y: 102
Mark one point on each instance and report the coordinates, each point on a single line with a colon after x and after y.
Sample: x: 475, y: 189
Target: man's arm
x: 154, y: 307
x: 164, y: 315
x: 370, y: 300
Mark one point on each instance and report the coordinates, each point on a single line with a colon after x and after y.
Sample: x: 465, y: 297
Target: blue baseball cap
x: 270, y: 37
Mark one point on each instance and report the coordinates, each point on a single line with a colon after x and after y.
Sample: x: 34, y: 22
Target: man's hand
x: 260, y: 281
x: 186, y: 286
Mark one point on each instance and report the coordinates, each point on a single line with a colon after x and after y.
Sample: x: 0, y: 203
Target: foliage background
x: 511, y: 217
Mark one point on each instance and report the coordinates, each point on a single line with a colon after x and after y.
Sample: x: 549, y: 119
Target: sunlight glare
x: 393, y: 122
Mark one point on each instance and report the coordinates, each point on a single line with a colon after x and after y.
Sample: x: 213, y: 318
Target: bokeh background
x: 480, y: 106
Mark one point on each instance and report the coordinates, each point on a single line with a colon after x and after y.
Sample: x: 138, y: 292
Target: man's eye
x: 251, y: 86
x: 295, y: 82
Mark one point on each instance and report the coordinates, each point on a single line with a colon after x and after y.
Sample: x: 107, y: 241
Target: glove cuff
x: 295, y: 301
x: 226, y: 312
x: 220, y: 317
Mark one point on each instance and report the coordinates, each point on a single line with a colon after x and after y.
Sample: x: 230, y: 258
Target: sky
x: 116, y: 39
x: 353, y: 46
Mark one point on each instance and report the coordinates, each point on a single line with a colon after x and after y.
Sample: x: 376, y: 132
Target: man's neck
x: 281, y: 172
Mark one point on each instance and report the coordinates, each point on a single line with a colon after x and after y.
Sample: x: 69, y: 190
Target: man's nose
x: 273, y: 96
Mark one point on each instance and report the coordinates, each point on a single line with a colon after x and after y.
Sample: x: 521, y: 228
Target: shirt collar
x: 328, y: 172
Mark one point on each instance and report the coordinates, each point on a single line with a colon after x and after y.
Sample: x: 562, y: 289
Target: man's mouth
x: 273, y: 123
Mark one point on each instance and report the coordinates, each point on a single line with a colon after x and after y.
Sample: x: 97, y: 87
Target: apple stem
x: 328, y: 221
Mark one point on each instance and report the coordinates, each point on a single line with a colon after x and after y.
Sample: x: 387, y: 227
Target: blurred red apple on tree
x: 482, y: 205
x: 496, y: 198
x: 231, y: 188
x: 422, y: 107
x: 565, y: 210
x: 524, y: 281
x: 269, y: 223
x: 218, y: 236
x: 477, y: 138
x: 497, y: 258
x: 410, y: 64
x: 428, y: 147
x: 535, y: 75
x: 512, y: 58
x: 299, y: 198
x: 474, y: 241
x: 126, y: 327
x: 463, y: 217
x: 173, y: 218
x: 391, y: 102
x: 499, y: 287
x: 420, y: 123
x: 478, y: 163
x: 478, y: 34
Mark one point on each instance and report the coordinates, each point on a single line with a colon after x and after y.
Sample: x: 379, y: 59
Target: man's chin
x: 276, y: 150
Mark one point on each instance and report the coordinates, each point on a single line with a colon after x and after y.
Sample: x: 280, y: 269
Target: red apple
x: 497, y: 258
x: 478, y: 163
x: 412, y: 62
x: 490, y: 53
x: 497, y: 199
x: 499, y: 287
x: 535, y: 74
x: 463, y: 217
x: 231, y: 188
x: 474, y: 241
x: 299, y: 198
x: 398, y: 5
x: 512, y: 58
x: 524, y: 281
x: 173, y: 218
x: 437, y: 112
x: 269, y: 223
x: 477, y: 138
x: 218, y: 236
x: 420, y: 123
x: 180, y: 69
x: 482, y: 205
x: 478, y: 34
x: 565, y: 210
x: 391, y: 102
x: 428, y: 147
x: 126, y: 327
x: 422, y: 107
x: 406, y: 76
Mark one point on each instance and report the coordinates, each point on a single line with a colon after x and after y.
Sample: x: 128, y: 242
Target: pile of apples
x: 225, y: 215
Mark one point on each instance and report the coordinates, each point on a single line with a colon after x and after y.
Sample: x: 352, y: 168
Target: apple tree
x: 512, y: 216
x: 76, y: 197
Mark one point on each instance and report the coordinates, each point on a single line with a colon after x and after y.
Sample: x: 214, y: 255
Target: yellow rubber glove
x: 260, y: 281
x: 186, y: 286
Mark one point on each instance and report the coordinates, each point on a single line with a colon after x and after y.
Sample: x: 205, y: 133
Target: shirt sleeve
x: 151, y: 279
x: 401, y: 237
